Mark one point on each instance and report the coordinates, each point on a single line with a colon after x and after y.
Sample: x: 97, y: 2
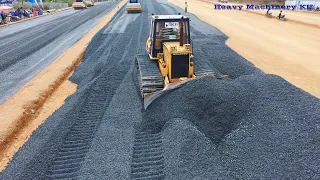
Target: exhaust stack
x: 181, y: 32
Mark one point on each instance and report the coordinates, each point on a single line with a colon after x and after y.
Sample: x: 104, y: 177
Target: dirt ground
x: 301, y: 16
x: 42, y: 96
x: 287, y: 49
x: 53, y: 103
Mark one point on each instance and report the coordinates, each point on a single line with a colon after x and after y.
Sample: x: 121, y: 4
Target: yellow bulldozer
x: 169, y: 61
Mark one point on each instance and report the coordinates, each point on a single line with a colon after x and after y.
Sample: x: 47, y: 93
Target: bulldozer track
x: 150, y: 79
x: 201, y: 68
x: 147, y: 158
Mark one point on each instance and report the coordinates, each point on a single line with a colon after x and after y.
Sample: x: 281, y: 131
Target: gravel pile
x: 189, y: 154
x: 259, y: 126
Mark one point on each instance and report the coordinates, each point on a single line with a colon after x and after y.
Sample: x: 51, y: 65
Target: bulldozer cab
x: 165, y: 28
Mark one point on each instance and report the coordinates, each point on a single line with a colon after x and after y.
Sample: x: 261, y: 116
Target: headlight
x: 187, y: 47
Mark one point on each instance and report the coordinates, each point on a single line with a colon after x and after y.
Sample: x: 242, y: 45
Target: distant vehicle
x: 133, y: 6
x: 223, y: 1
x: 79, y: 4
x: 89, y: 3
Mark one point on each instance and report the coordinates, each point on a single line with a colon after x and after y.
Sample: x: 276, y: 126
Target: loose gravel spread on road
x: 251, y: 126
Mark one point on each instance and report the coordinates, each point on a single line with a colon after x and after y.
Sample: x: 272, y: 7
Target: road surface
x: 28, y: 47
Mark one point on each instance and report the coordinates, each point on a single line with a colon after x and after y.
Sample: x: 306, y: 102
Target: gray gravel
x: 251, y: 126
x: 257, y: 126
x: 28, y: 47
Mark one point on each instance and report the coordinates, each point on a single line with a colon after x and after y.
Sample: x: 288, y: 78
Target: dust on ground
x: 287, y: 49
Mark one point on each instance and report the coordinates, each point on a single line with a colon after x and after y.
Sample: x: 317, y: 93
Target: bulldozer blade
x: 172, y: 86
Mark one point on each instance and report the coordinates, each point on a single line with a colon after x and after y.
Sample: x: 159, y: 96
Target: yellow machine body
x: 79, y: 4
x: 168, y: 63
x: 133, y: 9
x: 133, y: 6
x: 170, y: 49
x: 89, y: 3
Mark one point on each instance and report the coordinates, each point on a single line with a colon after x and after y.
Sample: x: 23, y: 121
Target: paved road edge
x: 44, y: 85
x: 59, y: 10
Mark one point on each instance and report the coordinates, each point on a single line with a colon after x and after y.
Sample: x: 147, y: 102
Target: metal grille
x: 180, y: 65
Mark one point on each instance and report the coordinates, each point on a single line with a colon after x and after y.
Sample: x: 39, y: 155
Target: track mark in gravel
x: 147, y: 158
x: 77, y: 141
